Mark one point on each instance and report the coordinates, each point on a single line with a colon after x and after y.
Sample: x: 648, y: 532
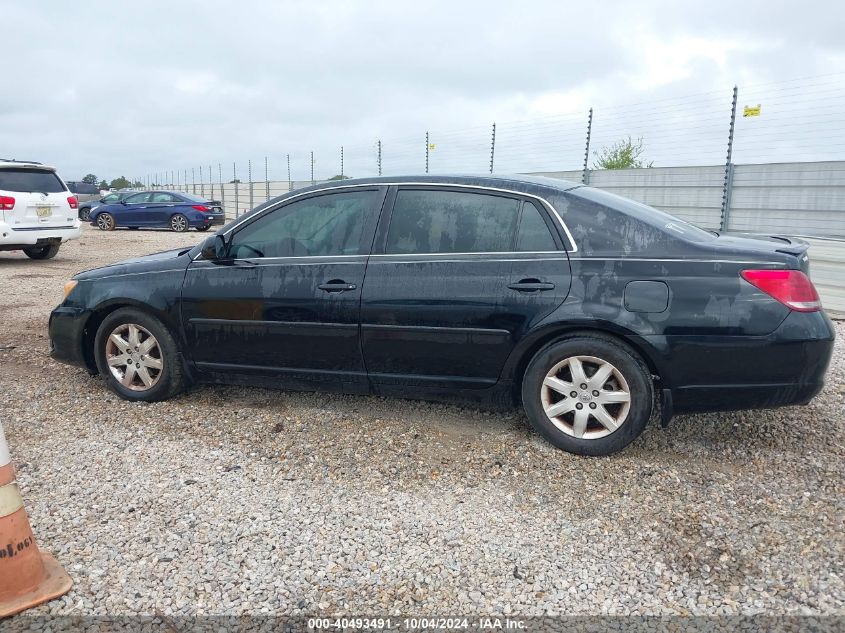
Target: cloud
x: 163, y: 86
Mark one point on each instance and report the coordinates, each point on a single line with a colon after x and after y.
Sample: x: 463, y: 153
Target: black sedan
x: 589, y: 309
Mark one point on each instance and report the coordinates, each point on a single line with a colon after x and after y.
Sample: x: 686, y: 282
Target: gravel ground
x: 244, y: 501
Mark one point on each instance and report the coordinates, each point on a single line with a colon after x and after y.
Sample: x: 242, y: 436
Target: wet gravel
x: 245, y: 501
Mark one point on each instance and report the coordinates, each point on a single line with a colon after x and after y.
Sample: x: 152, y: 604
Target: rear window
x: 193, y: 198
x: 27, y: 180
x: 83, y: 188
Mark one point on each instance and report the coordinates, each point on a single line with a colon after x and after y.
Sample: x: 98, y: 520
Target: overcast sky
x: 133, y: 88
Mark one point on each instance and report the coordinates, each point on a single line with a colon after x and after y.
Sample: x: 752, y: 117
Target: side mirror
x: 214, y: 248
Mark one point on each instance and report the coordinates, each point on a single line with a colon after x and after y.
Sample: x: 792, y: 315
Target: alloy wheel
x: 179, y: 223
x: 133, y: 356
x: 586, y: 397
x: 105, y: 222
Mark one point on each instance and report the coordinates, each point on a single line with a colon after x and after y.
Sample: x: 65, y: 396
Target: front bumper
x: 719, y: 373
x: 68, y: 336
x: 30, y: 236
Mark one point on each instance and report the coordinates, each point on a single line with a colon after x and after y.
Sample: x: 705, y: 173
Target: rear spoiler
x: 792, y: 245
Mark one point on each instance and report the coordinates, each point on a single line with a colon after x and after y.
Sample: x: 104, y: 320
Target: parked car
x: 109, y: 198
x: 588, y: 308
x: 149, y: 209
x: 37, y: 211
x: 84, y: 192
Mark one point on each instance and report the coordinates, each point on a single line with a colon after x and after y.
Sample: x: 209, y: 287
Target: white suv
x: 37, y: 212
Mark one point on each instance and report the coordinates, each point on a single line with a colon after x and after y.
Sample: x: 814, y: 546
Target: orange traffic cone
x: 27, y: 577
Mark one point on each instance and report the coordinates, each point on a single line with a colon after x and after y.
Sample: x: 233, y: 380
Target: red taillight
x: 791, y: 287
x: 200, y: 207
x: 7, y: 203
x: 73, y: 202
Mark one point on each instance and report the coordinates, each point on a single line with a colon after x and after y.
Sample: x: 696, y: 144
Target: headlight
x: 69, y: 286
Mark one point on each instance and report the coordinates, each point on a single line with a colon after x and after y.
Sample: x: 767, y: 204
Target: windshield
x: 29, y: 180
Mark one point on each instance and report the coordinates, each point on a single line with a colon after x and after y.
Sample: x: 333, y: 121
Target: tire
x: 202, y: 229
x: 42, y: 252
x: 612, y: 422
x: 85, y: 214
x: 179, y: 223
x: 105, y: 222
x: 166, y: 381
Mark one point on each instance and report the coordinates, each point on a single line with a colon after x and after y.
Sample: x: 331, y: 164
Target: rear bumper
x: 719, y: 373
x: 217, y: 219
x: 10, y: 237
x: 67, y: 334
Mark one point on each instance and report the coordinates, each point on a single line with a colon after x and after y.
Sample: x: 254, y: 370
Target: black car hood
x: 176, y: 259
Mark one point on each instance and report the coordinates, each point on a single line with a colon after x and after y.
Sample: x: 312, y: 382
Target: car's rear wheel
x: 42, y: 252
x: 138, y: 356
x: 588, y: 395
x: 179, y: 223
x: 85, y: 214
x: 105, y: 222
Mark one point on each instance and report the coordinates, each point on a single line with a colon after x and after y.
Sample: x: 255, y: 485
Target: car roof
x: 515, y: 182
x: 11, y: 162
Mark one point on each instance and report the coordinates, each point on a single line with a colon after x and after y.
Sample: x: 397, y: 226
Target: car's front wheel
x: 588, y: 395
x: 179, y: 223
x: 138, y: 356
x: 42, y: 252
x: 85, y: 214
x: 105, y: 222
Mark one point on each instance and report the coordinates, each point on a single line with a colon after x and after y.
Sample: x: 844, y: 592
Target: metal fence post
x: 427, y: 147
x: 222, y: 188
x: 202, y: 184
x: 312, y: 168
x: 237, y: 186
x: 193, y: 182
x: 728, y: 182
x: 249, y: 171
x: 585, y: 173
x: 266, y: 180
x: 492, y: 148
x: 378, y: 157
x: 341, y: 162
x: 210, y: 183
x: 290, y: 182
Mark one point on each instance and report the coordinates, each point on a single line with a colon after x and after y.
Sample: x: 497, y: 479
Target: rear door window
x: 430, y: 221
x: 138, y: 198
x: 534, y: 234
x: 164, y: 197
x: 26, y: 180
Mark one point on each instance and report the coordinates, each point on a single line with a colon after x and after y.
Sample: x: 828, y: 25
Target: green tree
x: 137, y: 184
x: 103, y: 184
x: 623, y: 154
x: 91, y: 179
x: 120, y: 183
